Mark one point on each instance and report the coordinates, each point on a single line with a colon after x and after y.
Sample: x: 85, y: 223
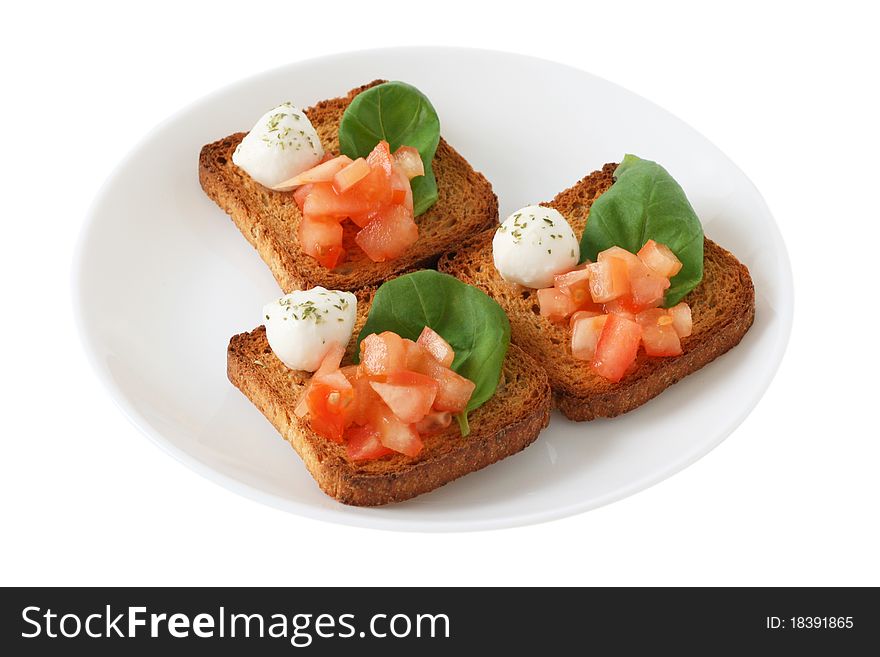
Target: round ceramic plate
x: 163, y: 280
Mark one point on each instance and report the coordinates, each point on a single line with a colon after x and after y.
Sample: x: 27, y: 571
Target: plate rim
x: 362, y: 516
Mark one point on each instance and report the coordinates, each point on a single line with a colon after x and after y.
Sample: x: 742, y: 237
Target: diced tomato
x: 389, y: 234
x: 623, y: 306
x: 585, y: 333
x: 433, y: 423
x: 383, y: 353
x: 393, y: 433
x: 337, y: 381
x: 401, y: 191
x: 681, y: 319
x: 323, y: 172
x: 417, y: 358
x: 328, y: 398
x: 576, y: 285
x: 380, y: 157
x: 321, y: 238
x: 324, y: 421
x: 351, y: 174
x: 617, y: 347
x: 555, y: 304
x: 299, y: 196
x: 355, y: 412
x: 323, y: 201
x: 658, y: 333
x: 409, y: 395
x: 331, y: 360
x: 660, y: 258
x: 409, y: 161
x: 436, y: 346
x: 454, y: 392
x: 362, y: 443
x: 408, y: 195
x: 329, y: 364
x: 622, y: 254
x: 330, y: 256
x: 374, y: 190
x: 581, y: 314
x: 364, y: 399
x: 647, y: 287
x: 608, y: 279
x: 350, y: 372
x: 361, y: 219
x: 382, y: 404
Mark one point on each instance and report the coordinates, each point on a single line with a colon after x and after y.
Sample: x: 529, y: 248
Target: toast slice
x: 270, y: 220
x: 723, y: 308
x: 506, y: 424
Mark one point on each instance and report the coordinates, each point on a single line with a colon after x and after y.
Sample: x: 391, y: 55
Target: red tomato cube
x: 362, y: 443
x: 454, y: 392
x: 401, y: 191
x: 436, y: 346
x: 681, y: 319
x: 389, y: 234
x: 647, y: 287
x: 433, y: 423
x: 380, y: 157
x: 660, y: 258
x: 351, y: 174
x: 409, y: 395
x: 658, y: 333
x: 383, y: 353
x: 321, y: 238
x: 328, y: 399
x: 417, y: 358
x: 609, y: 279
x: 393, y: 433
x: 619, y: 252
x: 299, y: 196
x: 323, y: 172
x: 409, y: 161
x: 364, y: 399
x: 576, y: 285
x: 555, y: 304
x: 331, y: 360
x: 581, y: 314
x: 623, y: 306
x: 617, y: 347
x: 324, y: 201
x: 585, y: 333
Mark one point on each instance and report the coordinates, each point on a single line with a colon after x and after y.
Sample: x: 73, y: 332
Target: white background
x: 787, y: 90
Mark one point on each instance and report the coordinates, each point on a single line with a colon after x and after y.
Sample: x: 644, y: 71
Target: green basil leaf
x: 467, y: 318
x: 401, y: 115
x: 646, y: 203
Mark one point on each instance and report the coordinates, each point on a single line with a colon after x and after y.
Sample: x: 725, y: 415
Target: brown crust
x: 269, y: 220
x: 723, y: 308
x: 506, y: 424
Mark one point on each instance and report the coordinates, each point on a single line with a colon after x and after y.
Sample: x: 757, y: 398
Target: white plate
x: 163, y: 279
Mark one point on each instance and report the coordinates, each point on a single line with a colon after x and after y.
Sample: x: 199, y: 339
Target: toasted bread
x: 269, y: 220
x: 723, y: 308
x: 506, y: 424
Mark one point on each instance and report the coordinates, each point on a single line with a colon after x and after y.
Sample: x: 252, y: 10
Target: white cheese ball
x: 281, y: 145
x: 303, y: 325
x: 533, y: 245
